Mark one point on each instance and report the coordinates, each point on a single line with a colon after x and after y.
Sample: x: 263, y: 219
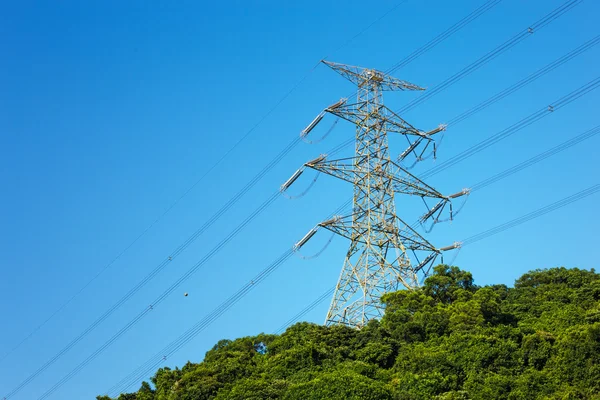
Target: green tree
x: 339, y: 386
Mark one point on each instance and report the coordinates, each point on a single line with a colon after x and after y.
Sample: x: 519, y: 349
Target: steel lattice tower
x: 378, y: 259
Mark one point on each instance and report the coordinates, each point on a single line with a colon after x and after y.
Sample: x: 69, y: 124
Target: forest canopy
x: 448, y: 340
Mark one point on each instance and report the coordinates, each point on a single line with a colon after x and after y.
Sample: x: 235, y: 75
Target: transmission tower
x: 382, y: 245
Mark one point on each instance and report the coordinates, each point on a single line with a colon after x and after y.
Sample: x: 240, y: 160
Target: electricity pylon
x: 378, y: 260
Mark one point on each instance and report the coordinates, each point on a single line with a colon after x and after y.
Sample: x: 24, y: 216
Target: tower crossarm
x: 401, y: 180
x: 392, y: 122
x: 382, y: 118
x: 405, y: 182
x: 348, y: 227
x: 365, y: 77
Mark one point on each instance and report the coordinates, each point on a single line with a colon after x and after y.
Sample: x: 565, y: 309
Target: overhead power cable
x: 194, y: 185
x: 512, y: 89
x: 532, y: 215
x: 534, y: 117
x: 439, y: 38
x: 444, y: 35
x: 555, y: 14
x: 522, y: 83
x: 145, y: 311
x: 161, y: 216
x: 203, y: 323
x: 174, y: 254
x: 159, y: 357
x: 540, y: 157
x: 157, y: 301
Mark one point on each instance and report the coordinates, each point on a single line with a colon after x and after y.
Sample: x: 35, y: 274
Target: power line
x: 200, y: 326
x: 532, y: 215
x: 558, y: 12
x: 167, y: 261
x: 159, y: 357
x: 540, y: 157
x: 439, y: 38
x: 204, y: 322
x: 444, y: 35
x: 134, y: 376
x: 160, y: 298
x: 186, y: 192
x: 520, y: 84
x: 512, y: 89
x: 534, y: 117
x: 227, y: 206
x: 144, y: 312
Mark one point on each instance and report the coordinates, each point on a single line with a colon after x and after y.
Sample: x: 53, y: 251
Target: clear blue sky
x: 110, y: 110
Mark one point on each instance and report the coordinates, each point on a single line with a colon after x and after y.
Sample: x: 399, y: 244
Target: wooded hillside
x: 449, y: 340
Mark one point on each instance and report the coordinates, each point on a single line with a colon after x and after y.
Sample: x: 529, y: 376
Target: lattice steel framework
x: 378, y: 259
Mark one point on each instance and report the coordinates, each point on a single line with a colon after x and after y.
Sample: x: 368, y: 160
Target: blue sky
x: 110, y: 111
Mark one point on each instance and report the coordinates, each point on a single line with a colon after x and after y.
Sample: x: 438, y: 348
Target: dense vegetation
x: 449, y: 340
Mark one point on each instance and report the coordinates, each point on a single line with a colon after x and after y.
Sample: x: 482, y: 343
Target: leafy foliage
x: 449, y: 340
